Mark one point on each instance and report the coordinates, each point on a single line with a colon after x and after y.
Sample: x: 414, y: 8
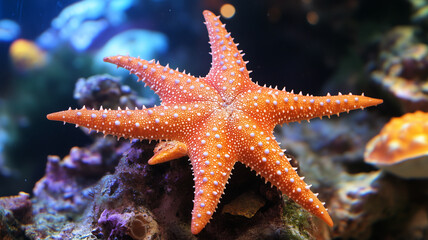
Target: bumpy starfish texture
x: 217, y: 120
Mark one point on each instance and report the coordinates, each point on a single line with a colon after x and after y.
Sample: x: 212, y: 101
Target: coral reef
x: 139, y: 225
x: 365, y: 199
x: 213, y: 122
x: 73, y: 200
x: 402, y: 67
x: 14, y: 211
x: 10, y: 228
x: 350, y: 204
x: 139, y: 201
x: 167, y: 191
x: 365, y: 204
x: 92, y: 194
x: 86, y: 195
x: 341, y: 148
x: 19, y: 206
x: 107, y: 91
x: 108, y: 191
x: 64, y: 193
x: 74, y: 33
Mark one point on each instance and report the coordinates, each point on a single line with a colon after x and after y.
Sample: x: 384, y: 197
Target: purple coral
x: 138, y: 224
x: 113, y: 224
x: 107, y: 91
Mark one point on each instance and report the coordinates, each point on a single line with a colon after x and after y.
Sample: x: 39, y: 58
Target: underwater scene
x: 213, y: 119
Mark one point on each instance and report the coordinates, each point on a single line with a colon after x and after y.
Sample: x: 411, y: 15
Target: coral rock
x: 138, y: 224
x: 245, y: 205
x: 105, y: 90
x: 402, y: 68
x: 19, y: 205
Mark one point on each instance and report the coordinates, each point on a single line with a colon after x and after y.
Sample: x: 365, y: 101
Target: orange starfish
x: 217, y: 120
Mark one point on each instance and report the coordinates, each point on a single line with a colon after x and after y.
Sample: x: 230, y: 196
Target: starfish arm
x: 260, y: 151
x: 172, y: 86
x: 273, y: 106
x: 157, y: 123
x: 212, y: 158
x: 227, y: 63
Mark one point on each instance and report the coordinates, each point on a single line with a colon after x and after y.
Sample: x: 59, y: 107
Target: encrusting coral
x: 401, y: 67
x: 105, y: 90
x: 14, y: 211
x: 221, y: 119
x: 138, y: 224
x: 402, y: 146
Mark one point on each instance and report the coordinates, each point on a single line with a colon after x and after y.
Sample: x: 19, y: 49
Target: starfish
x: 217, y: 120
